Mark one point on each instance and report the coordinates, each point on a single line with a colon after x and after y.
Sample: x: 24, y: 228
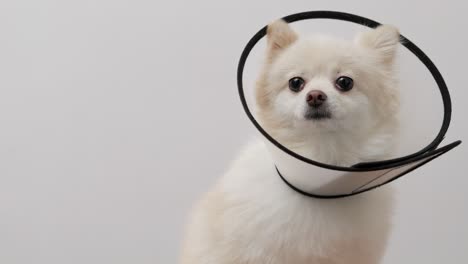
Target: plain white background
x: 116, y: 115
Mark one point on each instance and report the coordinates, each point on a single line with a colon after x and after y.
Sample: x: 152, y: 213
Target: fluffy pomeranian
x: 331, y: 100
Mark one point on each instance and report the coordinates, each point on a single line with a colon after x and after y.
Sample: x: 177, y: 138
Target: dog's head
x: 323, y: 85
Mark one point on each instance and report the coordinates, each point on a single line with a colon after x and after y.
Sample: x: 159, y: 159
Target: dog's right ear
x: 279, y: 36
x: 384, y: 40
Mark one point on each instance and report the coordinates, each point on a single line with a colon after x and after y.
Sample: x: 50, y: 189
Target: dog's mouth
x: 319, y: 113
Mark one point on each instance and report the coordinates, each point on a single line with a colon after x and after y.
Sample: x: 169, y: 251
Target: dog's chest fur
x: 253, y: 217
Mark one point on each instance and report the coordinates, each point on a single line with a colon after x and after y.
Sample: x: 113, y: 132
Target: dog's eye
x: 344, y: 83
x: 296, y: 84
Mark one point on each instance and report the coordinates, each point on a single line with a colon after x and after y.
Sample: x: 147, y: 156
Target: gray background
x: 116, y: 115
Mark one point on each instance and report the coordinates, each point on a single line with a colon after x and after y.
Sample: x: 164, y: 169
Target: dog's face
x: 324, y: 84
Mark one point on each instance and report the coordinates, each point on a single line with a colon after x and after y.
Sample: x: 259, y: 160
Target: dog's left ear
x: 384, y: 40
x: 279, y: 36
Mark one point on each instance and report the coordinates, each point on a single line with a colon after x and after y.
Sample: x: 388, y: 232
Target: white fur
x: 251, y: 216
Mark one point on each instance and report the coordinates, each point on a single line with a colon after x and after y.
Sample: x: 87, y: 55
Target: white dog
x: 331, y: 100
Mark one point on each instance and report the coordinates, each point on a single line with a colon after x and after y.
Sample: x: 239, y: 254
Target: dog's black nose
x: 316, y: 98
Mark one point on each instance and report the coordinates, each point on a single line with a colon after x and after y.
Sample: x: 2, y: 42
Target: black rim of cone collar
x: 370, y: 166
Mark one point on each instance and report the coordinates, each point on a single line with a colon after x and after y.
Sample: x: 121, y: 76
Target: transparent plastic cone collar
x: 321, y: 180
